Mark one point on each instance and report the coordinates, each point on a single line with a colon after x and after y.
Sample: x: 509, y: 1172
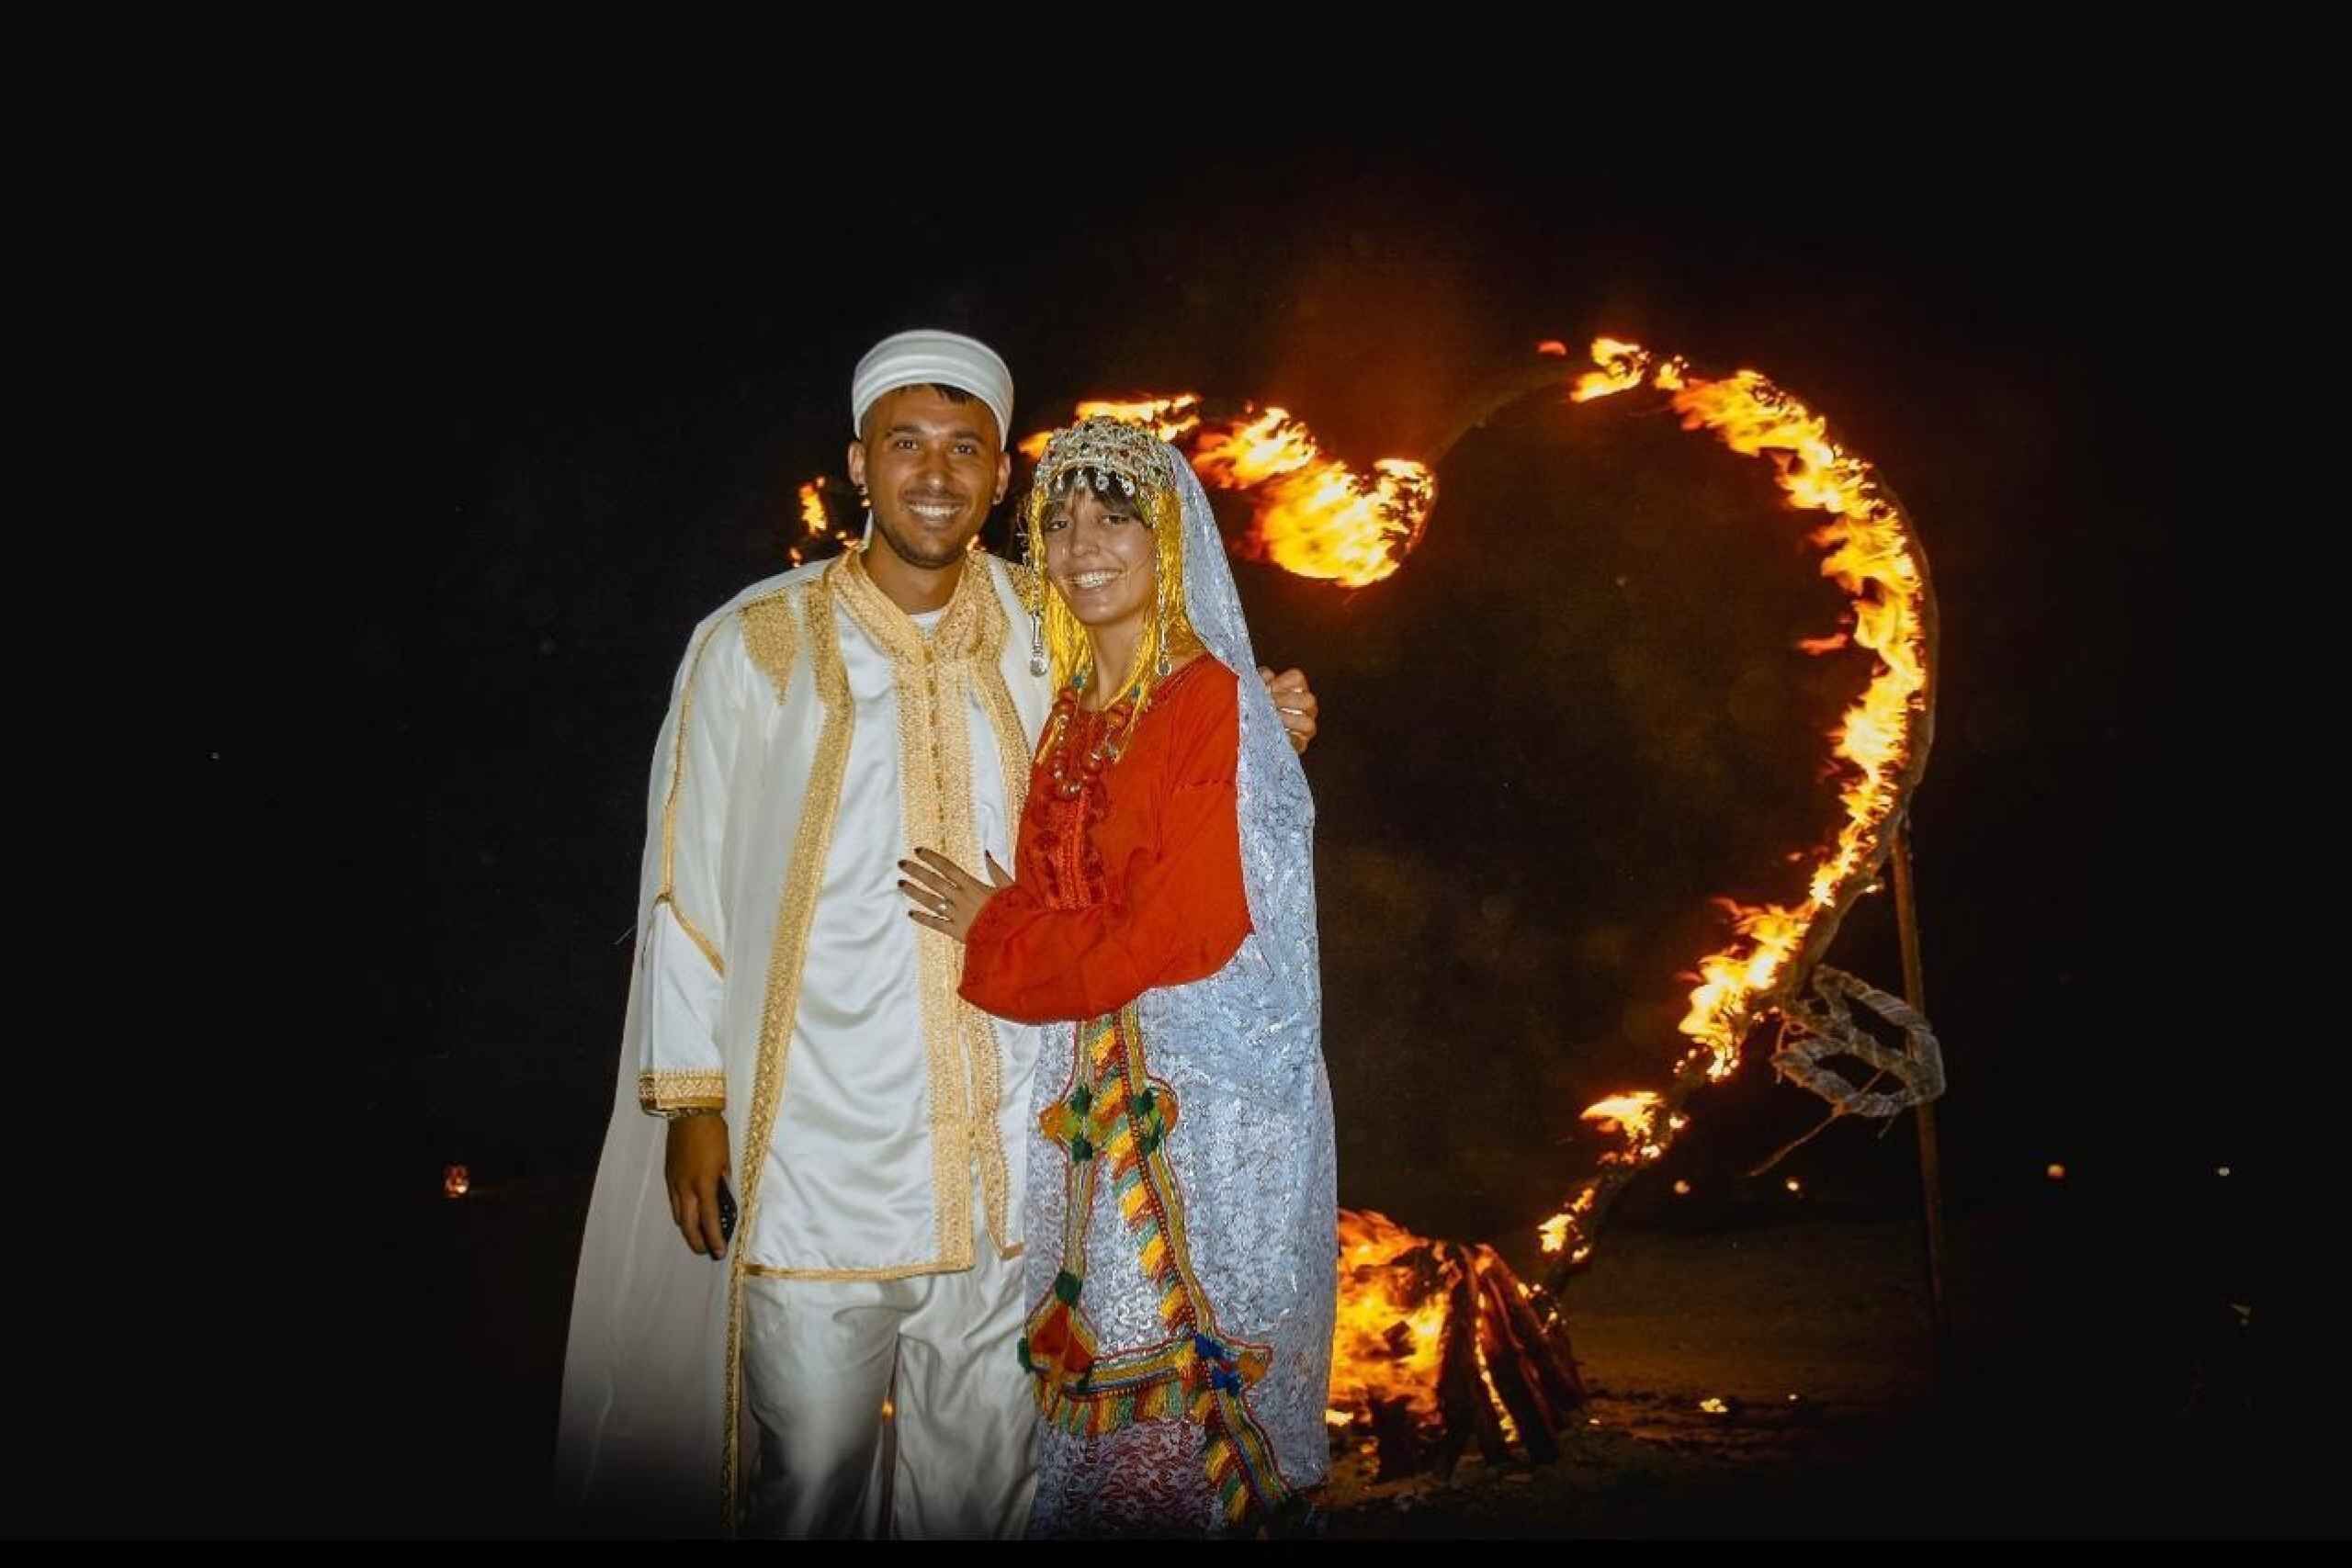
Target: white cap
x: 947, y: 360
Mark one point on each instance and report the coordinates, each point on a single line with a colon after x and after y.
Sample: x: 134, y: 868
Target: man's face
x: 930, y: 469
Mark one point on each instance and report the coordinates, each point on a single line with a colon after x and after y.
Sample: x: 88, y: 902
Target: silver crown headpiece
x: 1104, y: 452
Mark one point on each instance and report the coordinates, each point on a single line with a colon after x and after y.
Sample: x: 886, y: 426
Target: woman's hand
x: 945, y: 897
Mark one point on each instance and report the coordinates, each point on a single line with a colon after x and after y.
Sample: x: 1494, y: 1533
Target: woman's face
x: 1099, y: 555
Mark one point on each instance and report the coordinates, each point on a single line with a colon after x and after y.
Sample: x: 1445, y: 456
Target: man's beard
x: 906, y: 552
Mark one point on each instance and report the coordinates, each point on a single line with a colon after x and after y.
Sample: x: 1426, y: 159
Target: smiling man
x: 799, y: 1297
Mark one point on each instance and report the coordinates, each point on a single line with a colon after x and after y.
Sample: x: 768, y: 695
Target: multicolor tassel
x: 1119, y: 1122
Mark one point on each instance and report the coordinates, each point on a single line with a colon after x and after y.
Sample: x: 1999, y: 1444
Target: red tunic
x: 1135, y: 883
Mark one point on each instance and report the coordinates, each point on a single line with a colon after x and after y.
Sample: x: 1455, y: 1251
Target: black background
x: 593, y: 410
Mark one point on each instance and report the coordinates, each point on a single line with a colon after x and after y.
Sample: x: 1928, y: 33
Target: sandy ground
x: 2074, y: 1406
x: 1813, y: 1338
x: 2057, y: 1416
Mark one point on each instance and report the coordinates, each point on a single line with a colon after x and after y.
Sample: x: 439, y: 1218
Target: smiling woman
x: 1115, y: 624
x: 1102, y: 555
x: 1181, y: 1225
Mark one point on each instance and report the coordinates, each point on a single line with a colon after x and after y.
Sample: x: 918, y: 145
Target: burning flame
x: 1634, y: 1116
x: 1869, y: 554
x: 1635, y: 1113
x: 817, y: 523
x: 1386, y: 1342
x: 1316, y: 517
x: 1622, y: 366
x: 1555, y: 1231
x: 1313, y: 514
x: 1171, y: 419
x: 455, y: 1181
x: 1494, y: 1395
x: 1398, y: 1297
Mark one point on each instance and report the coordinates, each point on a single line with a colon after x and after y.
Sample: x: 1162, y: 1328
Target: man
x: 847, y: 1364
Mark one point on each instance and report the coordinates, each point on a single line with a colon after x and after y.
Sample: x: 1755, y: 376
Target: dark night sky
x: 1534, y: 775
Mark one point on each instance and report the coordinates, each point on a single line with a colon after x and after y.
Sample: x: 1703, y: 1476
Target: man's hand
x: 694, y: 1166
x: 1293, y: 702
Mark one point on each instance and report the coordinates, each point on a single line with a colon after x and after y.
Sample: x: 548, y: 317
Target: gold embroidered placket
x: 1013, y: 756
x: 935, y: 804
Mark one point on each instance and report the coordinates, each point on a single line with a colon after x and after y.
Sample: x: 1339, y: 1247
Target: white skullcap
x: 945, y: 359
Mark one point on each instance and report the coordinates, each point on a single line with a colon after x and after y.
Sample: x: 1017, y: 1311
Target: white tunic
x: 849, y: 1184
x: 815, y: 736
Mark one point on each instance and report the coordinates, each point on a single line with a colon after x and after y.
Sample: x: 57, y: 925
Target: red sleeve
x: 1174, y: 915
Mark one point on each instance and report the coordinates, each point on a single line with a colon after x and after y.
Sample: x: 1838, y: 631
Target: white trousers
x: 955, y: 1457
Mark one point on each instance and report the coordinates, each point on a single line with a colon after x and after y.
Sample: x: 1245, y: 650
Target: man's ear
x: 858, y: 464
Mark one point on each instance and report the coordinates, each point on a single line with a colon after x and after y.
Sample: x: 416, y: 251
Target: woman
x: 1181, y: 1193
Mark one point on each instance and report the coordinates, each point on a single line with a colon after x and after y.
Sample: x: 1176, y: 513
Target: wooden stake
x: 1931, y: 1187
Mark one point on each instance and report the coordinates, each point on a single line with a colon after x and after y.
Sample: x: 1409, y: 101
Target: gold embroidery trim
x: 1024, y: 581
x: 899, y: 1271
x: 768, y: 638
x: 812, y: 840
x: 982, y: 1051
x: 1012, y: 746
x: 972, y: 1071
x: 669, y: 891
x: 893, y: 630
x: 986, y: 1052
x: 682, y: 1091
x: 694, y: 932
